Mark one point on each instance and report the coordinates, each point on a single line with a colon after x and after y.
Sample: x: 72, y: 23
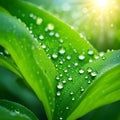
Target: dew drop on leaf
x: 64, y: 81
x: 73, y: 99
x: 39, y: 21
x: 50, y: 26
x: 67, y: 108
x: 71, y: 93
x: 68, y: 57
x: 54, y: 55
x: 60, y: 86
x: 81, y: 71
x: 70, y: 78
x: 89, y: 81
x: 82, y: 89
x: 62, y: 51
x: 61, y: 118
x: 76, y: 64
x: 44, y: 46
x: 58, y: 93
x: 94, y: 73
x: 57, y: 35
x: 41, y: 37
x: 81, y: 57
x: 89, y: 69
x: 51, y: 33
x: 90, y: 52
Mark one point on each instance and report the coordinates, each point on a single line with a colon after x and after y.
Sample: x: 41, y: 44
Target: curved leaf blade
x: 105, y: 87
x: 25, y: 51
x: 14, y: 111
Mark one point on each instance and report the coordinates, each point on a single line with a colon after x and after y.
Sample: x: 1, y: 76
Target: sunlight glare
x: 100, y: 3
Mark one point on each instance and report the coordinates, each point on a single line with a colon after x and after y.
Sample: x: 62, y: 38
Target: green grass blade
x: 14, y: 111
x: 30, y: 59
x: 105, y: 87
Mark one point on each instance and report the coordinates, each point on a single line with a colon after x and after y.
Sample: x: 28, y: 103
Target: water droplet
x: 81, y: 57
x: 60, y: 86
x: 41, y: 37
x: 51, y: 33
x: 50, y: 26
x: 71, y: 93
x: 86, y: 77
x: 90, y: 60
x: 32, y: 16
x: 57, y: 35
x: 62, y: 51
x: 67, y: 108
x: 70, y: 78
x: 76, y: 64
x: 58, y: 93
x: 61, y: 62
x: 94, y: 73
x: 65, y: 71
x: 61, y: 118
x: 69, y: 66
x: 73, y: 99
x: 54, y: 55
x: 101, y: 54
x: 57, y: 78
x: 44, y: 46
x: 39, y: 21
x: 89, y: 81
x: 89, y: 69
x: 82, y: 89
x: 96, y: 57
x: 61, y: 41
x: 90, y: 52
x: 68, y: 57
x: 64, y: 81
x: 81, y: 71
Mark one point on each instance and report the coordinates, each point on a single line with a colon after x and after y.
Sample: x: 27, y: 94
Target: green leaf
x: 9, y: 64
x: 72, y: 56
x: 105, y: 87
x: 14, y: 111
x: 30, y: 59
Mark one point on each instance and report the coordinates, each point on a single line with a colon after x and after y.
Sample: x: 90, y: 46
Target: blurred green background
x: 101, y: 26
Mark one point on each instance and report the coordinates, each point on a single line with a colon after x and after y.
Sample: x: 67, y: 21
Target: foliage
x: 67, y: 74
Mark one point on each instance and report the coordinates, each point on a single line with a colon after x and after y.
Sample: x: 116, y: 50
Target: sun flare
x: 100, y: 3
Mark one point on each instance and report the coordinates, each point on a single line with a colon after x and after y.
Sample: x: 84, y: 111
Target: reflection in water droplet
x: 61, y: 118
x: 51, y: 33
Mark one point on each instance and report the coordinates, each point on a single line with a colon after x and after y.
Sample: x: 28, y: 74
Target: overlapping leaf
x: 13, y: 111
x: 29, y: 57
x: 73, y: 58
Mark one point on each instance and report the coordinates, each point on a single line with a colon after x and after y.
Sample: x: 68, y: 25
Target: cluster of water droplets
x: 68, y: 62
